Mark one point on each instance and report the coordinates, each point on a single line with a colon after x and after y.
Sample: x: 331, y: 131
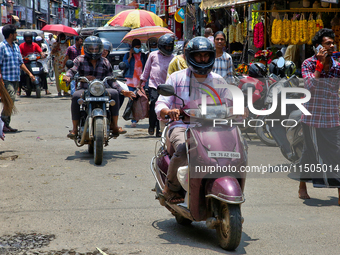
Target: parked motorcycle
x: 214, y: 198
x: 36, y: 68
x: 95, y: 117
x: 290, y: 138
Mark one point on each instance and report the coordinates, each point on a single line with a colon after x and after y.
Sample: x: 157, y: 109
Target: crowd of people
x: 203, y: 58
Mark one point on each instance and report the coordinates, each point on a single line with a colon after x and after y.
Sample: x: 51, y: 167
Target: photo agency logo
x: 238, y: 104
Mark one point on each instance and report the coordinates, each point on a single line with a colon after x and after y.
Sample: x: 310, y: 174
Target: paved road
x: 54, y: 188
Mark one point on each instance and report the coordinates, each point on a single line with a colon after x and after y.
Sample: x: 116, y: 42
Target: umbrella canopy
x: 144, y: 33
x: 58, y: 29
x: 135, y: 19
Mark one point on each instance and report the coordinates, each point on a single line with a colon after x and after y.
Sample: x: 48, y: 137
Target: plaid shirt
x: 182, y: 81
x: 324, y: 102
x: 72, y: 52
x: 224, y: 67
x: 84, y: 67
x: 10, y: 61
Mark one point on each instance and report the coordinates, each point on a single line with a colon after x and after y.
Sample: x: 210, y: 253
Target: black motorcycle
x: 36, y: 68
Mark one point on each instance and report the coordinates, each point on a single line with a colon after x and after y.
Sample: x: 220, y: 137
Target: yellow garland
x: 232, y: 31
x: 303, y: 31
x: 311, y: 30
x: 277, y: 31
x: 336, y: 30
x: 238, y: 36
x: 287, y: 26
x: 319, y: 25
x: 295, y: 35
x: 254, y: 19
x: 245, y: 30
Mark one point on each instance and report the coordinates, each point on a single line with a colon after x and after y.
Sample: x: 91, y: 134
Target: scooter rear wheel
x: 229, y: 231
x: 38, y: 91
x: 182, y: 221
x: 264, y: 134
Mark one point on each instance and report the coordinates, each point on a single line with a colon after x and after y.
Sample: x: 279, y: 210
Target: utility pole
x: 68, y: 13
x: 33, y: 16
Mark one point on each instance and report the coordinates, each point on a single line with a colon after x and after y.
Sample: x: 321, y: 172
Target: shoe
x: 59, y: 94
x: 121, y: 130
x: 72, y: 136
x: 8, y: 129
x: 158, y: 134
x: 48, y: 93
x: 66, y: 94
x: 151, y: 131
x: 133, y: 124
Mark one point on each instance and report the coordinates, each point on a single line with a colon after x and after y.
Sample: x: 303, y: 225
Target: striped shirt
x: 224, y: 67
x: 10, y: 61
x: 324, y: 102
x: 182, y: 81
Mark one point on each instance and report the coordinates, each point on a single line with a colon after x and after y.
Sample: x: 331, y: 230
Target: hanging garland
x: 245, y: 30
x: 319, y: 23
x: 295, y: 35
x: 303, y: 29
x: 277, y: 31
x: 311, y: 29
x: 255, y: 15
x: 258, y: 35
x: 239, y: 36
x: 287, y: 28
x: 336, y: 30
x: 232, y: 31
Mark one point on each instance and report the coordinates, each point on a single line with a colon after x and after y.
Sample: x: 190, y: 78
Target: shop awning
x: 216, y: 4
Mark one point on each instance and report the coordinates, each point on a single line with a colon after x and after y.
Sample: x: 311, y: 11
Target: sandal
x: 71, y: 135
x: 172, y: 197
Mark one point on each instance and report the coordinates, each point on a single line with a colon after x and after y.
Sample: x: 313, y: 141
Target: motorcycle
x: 289, y: 137
x: 95, y: 117
x: 214, y: 198
x: 37, y: 69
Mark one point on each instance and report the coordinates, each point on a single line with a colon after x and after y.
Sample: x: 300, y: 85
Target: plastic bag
x: 127, y: 115
x: 63, y: 85
x: 140, y: 107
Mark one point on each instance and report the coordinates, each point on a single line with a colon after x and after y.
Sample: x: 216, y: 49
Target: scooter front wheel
x: 98, y: 143
x: 229, y: 231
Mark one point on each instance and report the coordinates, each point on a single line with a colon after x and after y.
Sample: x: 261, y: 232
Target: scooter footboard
x: 226, y: 189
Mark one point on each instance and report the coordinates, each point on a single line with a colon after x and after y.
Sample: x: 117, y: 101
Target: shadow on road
x: 197, y: 235
x: 318, y: 202
x: 109, y: 156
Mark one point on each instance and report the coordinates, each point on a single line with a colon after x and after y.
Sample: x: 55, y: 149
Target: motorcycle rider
x: 107, y: 47
x: 93, y: 66
x: 43, y: 46
x: 28, y: 47
x: 200, y: 57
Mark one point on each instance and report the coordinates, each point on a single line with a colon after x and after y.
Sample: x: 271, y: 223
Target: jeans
x: 153, y: 121
x: 12, y: 87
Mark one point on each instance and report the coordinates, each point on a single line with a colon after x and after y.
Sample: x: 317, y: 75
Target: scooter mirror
x: 166, y: 90
x: 281, y: 63
x: 122, y: 66
x: 69, y: 64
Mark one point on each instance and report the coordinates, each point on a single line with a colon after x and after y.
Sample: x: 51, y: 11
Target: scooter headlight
x: 97, y: 88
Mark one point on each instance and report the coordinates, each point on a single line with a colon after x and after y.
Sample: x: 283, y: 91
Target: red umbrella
x: 58, y: 29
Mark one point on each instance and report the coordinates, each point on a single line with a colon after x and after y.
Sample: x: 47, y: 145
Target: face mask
x: 136, y: 50
x: 154, y: 49
x: 28, y: 41
x: 63, y: 41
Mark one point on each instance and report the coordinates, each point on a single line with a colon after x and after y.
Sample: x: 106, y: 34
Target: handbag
x: 127, y: 115
x: 140, y: 107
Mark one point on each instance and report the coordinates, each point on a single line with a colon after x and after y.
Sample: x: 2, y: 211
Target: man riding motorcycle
x: 188, y: 84
x: 28, y: 47
x: 93, y: 66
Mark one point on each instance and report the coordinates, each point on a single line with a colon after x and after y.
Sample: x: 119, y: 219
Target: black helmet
x: 167, y: 40
x: 93, y: 47
x: 200, y: 44
x: 257, y: 70
x: 151, y: 42
x: 106, y: 44
x: 28, y: 34
x: 290, y: 68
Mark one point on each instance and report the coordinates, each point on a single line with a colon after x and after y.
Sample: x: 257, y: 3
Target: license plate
x: 97, y: 99
x: 115, y: 67
x: 35, y: 69
x: 223, y: 154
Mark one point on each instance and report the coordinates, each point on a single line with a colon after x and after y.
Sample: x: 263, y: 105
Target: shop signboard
x: 172, y: 9
x: 20, y: 12
x: 161, y: 11
x: 3, y: 14
x: 9, y: 19
x: 29, y: 15
x: 120, y: 8
x: 152, y: 9
x: 182, y: 3
x: 331, y: 1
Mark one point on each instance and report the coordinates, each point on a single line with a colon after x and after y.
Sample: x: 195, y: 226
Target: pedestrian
x: 321, y: 129
x: 223, y: 62
x: 208, y: 33
x: 10, y: 64
x: 156, y: 69
x: 59, y: 49
x: 51, y: 40
x: 135, y: 61
x: 43, y: 61
x: 178, y: 63
x: 71, y: 53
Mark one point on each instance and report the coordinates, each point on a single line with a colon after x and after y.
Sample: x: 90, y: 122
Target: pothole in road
x: 28, y: 244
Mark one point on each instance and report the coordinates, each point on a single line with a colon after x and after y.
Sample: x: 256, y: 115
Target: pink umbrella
x: 58, y: 29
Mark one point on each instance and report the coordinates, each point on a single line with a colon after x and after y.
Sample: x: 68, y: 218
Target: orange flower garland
x: 311, y: 30
x: 287, y: 27
x: 276, y: 31
x: 319, y: 25
x: 295, y: 35
x: 303, y: 26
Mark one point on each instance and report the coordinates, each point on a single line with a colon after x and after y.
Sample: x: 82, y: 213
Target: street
x: 50, y: 187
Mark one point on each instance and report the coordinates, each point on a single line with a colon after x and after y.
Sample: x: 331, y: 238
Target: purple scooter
x: 211, y: 196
